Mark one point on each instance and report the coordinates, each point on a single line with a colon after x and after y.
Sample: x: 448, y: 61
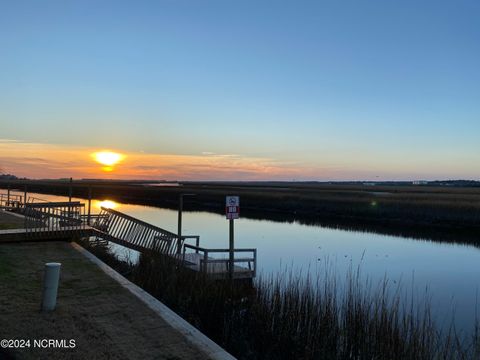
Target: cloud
x: 35, y: 160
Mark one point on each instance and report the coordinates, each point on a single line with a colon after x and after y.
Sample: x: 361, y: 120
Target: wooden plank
x: 121, y: 227
x: 131, y: 225
x: 144, y: 238
x: 112, y: 227
x: 149, y: 239
x: 154, y: 242
x: 116, y: 225
x: 138, y: 235
x: 124, y: 227
x: 133, y: 234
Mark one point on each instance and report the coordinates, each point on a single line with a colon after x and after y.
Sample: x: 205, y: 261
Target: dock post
x: 70, y: 191
x: 25, y: 195
x: 231, y: 250
x: 179, y: 233
x: 205, y: 262
x: 50, y: 286
x: 180, y: 210
x: 89, y: 203
x: 8, y: 195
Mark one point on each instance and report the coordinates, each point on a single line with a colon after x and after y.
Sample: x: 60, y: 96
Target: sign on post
x: 232, y: 210
x: 232, y: 207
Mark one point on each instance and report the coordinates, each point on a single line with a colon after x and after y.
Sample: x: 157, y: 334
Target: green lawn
x: 105, y: 320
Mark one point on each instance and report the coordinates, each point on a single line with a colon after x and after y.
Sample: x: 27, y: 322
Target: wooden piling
x: 89, y: 203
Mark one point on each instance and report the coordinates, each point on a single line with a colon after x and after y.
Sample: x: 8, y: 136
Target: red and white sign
x: 232, y: 207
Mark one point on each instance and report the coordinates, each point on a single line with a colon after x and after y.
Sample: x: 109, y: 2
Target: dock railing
x: 57, y: 219
x: 91, y: 219
x: 9, y: 201
x: 167, y: 244
x: 53, y: 216
x: 32, y: 199
x: 192, y: 237
x: 205, y: 260
x: 135, y: 234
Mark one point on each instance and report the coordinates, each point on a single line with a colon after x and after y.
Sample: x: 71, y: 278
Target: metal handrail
x: 188, y: 237
x: 218, y: 250
x: 137, y: 221
x: 136, y: 234
x: 206, y: 260
x: 185, y: 237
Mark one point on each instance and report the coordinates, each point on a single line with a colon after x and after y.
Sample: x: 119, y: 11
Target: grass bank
x: 104, y: 319
x: 293, y: 317
x: 10, y: 221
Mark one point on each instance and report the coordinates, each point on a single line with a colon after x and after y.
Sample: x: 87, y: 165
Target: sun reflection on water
x: 109, y: 204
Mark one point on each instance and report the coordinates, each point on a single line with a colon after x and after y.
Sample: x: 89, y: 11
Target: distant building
x: 369, y: 184
x: 420, y: 182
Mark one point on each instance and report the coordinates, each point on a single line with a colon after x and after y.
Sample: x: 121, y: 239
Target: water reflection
x: 449, y: 271
x: 109, y: 204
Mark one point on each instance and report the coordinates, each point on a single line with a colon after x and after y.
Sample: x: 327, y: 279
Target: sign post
x: 232, y: 210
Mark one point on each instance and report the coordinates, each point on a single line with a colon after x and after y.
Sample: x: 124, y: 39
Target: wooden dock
x: 218, y: 268
x: 138, y: 235
x: 66, y: 220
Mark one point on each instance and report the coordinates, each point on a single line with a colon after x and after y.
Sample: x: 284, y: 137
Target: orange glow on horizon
x: 54, y: 161
x: 42, y: 161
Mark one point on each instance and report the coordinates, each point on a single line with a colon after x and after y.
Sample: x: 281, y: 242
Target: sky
x: 241, y: 90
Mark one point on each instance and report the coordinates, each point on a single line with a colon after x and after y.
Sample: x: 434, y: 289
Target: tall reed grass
x: 443, y: 213
x: 295, y: 316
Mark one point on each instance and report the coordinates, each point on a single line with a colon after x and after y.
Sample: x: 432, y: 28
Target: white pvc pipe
x: 50, y: 286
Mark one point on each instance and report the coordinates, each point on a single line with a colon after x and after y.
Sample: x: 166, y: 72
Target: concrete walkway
x: 105, y: 320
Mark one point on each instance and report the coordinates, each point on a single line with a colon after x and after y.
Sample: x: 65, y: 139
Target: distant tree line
x: 459, y: 183
x: 8, y: 177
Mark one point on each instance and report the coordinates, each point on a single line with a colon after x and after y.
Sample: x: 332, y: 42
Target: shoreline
x: 426, y: 213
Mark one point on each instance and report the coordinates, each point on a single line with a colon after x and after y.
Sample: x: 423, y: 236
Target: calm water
x: 450, y: 272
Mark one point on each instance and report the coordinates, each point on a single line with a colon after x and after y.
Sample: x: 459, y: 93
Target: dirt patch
x: 104, y: 319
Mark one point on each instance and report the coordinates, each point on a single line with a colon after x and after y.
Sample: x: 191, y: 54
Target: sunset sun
x: 108, y: 158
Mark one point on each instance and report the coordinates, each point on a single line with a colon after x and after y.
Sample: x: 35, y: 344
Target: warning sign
x: 232, y: 207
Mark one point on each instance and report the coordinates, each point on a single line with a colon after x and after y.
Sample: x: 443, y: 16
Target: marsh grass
x: 299, y: 316
x: 442, y: 213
